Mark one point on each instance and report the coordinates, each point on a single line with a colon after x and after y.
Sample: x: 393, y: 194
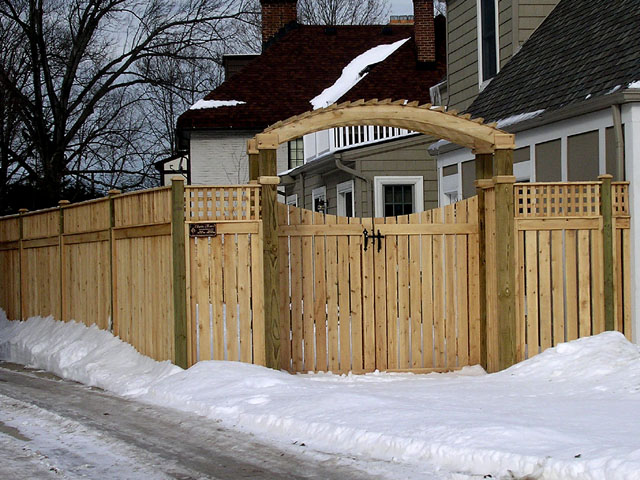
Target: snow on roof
x: 355, y: 71
x: 200, y: 104
x: 614, y: 89
x: 635, y: 84
x: 440, y: 143
x: 521, y: 117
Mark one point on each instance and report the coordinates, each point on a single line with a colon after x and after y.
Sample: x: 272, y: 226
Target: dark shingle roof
x: 584, y: 48
x: 306, y: 60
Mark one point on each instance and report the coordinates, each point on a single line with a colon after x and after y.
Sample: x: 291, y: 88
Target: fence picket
x: 557, y: 287
x: 320, y: 298
x: 544, y: 273
x: 391, y: 256
x: 403, y: 296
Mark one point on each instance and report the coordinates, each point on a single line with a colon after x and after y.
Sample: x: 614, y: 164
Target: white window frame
x: 341, y: 189
x: 319, y: 192
x: 381, y: 181
x: 483, y: 83
x: 292, y: 200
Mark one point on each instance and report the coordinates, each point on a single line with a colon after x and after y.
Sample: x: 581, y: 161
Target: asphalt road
x: 53, y: 428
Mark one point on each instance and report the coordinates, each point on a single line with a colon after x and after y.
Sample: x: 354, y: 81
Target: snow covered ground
x: 572, y: 412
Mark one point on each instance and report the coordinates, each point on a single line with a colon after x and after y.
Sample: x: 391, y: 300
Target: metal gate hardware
x: 373, y: 237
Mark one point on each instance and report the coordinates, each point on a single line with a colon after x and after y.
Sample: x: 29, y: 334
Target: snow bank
x: 572, y: 412
x: 200, y: 104
x: 355, y: 71
x: 77, y: 352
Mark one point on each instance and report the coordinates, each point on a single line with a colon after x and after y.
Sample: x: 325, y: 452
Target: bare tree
x: 343, y: 12
x: 88, y: 64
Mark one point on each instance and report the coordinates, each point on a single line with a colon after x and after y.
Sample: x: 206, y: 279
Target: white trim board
x: 418, y: 190
x: 341, y: 189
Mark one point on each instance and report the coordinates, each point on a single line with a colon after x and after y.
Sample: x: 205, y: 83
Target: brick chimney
x: 275, y: 15
x: 425, y: 36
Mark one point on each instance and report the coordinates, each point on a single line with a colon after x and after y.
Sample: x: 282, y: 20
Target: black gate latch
x: 373, y: 237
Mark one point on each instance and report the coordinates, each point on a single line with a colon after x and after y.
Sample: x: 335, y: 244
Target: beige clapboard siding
x: 505, y: 21
x: 531, y: 14
x: 371, y: 309
x: 462, y: 68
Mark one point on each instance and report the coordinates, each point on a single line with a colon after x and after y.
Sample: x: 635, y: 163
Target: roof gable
x: 583, y: 49
x: 306, y: 60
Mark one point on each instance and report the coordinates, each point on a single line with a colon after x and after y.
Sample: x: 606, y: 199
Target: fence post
x: 113, y: 324
x: 254, y: 162
x: 21, y: 212
x: 61, y: 259
x: 484, y: 169
x: 505, y: 251
x: 179, y: 272
x: 267, y: 147
x: 606, y: 210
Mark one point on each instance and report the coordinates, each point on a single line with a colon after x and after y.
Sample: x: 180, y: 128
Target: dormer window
x: 487, y: 40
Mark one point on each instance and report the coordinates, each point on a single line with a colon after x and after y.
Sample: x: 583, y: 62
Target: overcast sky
x: 401, y: 7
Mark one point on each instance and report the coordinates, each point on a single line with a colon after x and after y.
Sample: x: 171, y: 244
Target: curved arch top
x: 448, y: 125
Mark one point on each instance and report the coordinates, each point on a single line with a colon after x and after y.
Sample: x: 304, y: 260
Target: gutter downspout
x: 355, y: 173
x: 617, y: 126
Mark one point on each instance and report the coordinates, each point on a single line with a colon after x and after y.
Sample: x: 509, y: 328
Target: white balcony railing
x: 327, y: 141
x: 344, y: 137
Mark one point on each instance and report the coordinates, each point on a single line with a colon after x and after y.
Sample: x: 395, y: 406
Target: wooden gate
x: 402, y: 296
x: 225, y: 282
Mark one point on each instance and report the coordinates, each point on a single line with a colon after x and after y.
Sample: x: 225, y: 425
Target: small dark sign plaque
x: 203, y: 230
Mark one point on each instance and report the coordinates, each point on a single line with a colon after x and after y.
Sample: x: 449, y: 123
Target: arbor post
x: 505, y: 251
x: 179, y: 272
x: 267, y: 149
x: 484, y: 169
x: 254, y: 162
x: 606, y: 210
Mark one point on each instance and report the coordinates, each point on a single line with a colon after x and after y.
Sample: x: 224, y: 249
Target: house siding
x: 401, y: 159
x: 531, y: 13
x: 220, y: 158
x: 505, y: 21
x: 410, y: 162
x: 462, y: 68
x: 517, y: 19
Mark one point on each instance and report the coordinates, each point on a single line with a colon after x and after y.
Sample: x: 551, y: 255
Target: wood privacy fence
x: 565, y: 235
x: 179, y: 273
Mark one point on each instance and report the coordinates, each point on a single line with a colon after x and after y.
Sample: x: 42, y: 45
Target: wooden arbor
x: 494, y: 167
